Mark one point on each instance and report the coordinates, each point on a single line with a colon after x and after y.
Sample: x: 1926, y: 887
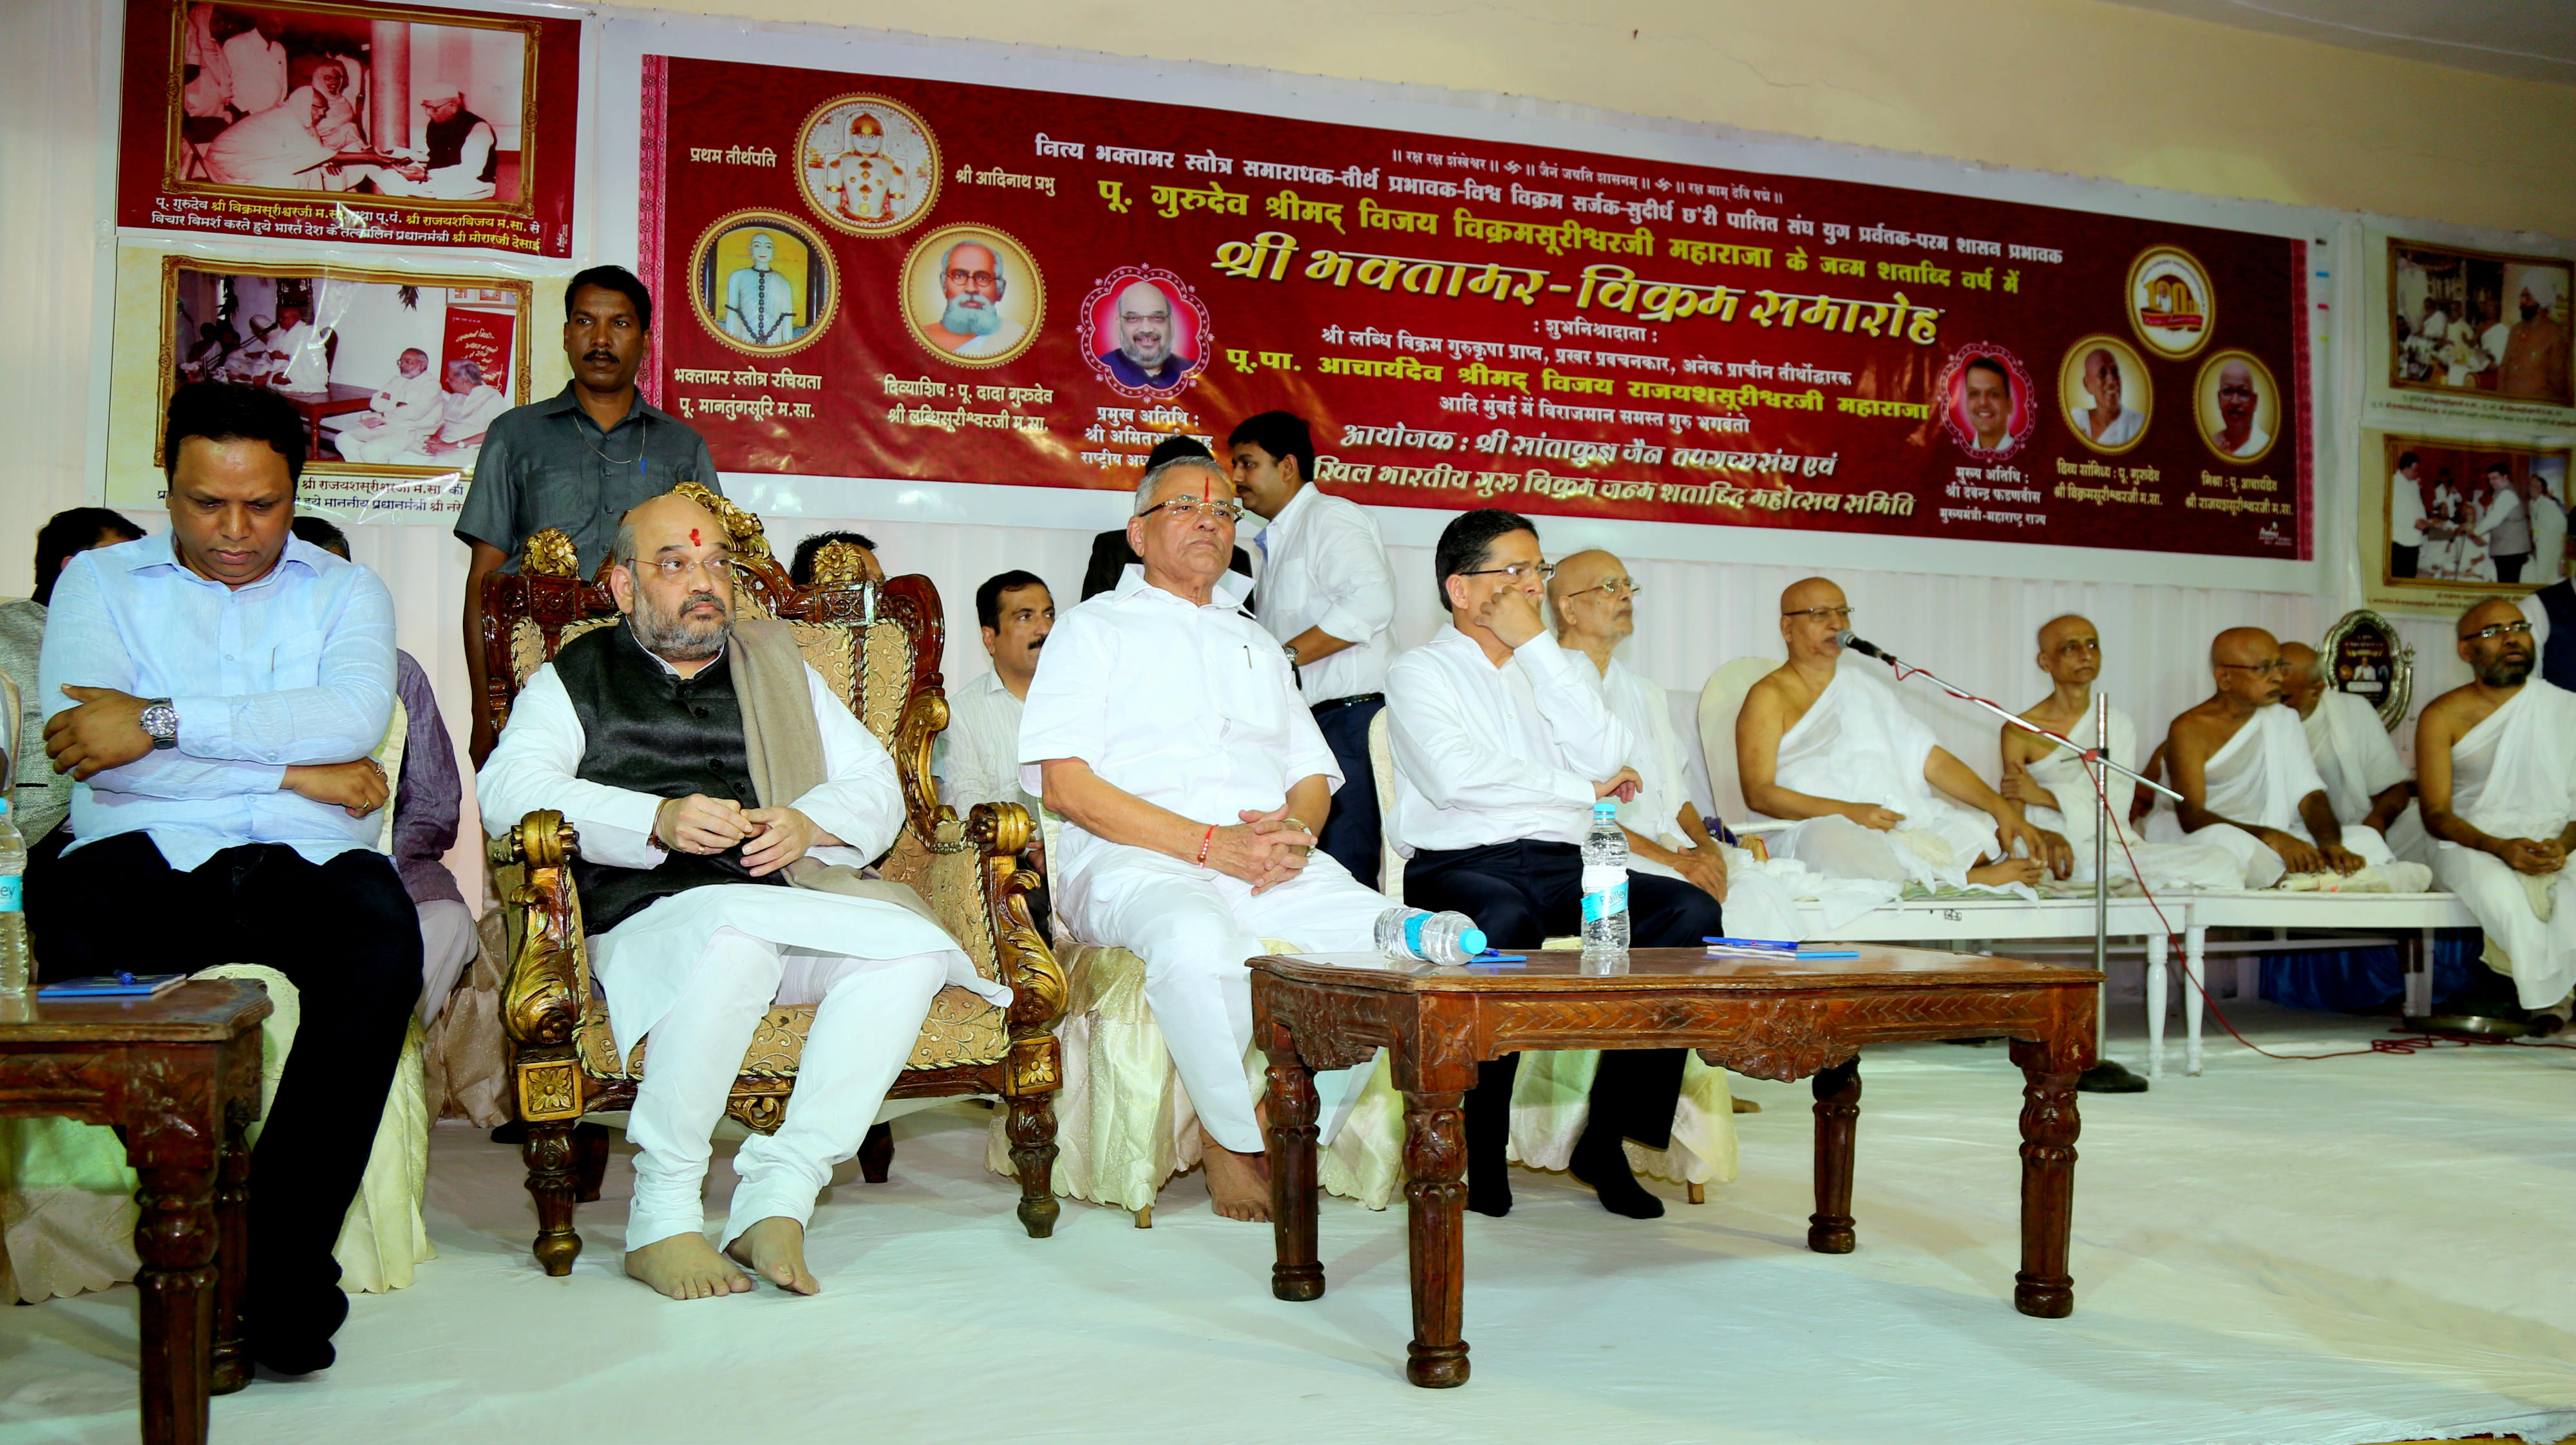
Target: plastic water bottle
x: 1451, y: 938
x: 1605, y: 881
x: 17, y: 962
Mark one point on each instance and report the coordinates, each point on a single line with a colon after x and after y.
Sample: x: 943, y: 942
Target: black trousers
x: 1521, y: 894
x: 347, y: 936
x: 2401, y: 561
x: 2509, y: 568
x: 1351, y: 834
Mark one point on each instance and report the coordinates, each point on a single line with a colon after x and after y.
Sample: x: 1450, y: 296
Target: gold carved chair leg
x: 1032, y: 1133
x: 553, y: 1180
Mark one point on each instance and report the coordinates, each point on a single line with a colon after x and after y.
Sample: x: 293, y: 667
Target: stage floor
x: 2359, y: 1250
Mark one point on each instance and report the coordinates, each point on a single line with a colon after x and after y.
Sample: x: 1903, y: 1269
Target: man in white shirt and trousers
x: 978, y: 756
x: 1164, y: 729
x: 1328, y: 595
x: 726, y: 801
x: 1501, y: 748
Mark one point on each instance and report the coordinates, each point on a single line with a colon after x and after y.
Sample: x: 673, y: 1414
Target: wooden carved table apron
x: 178, y: 1077
x: 1770, y: 1019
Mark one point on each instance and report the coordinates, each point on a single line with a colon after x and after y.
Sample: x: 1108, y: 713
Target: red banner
x: 388, y: 124
x: 486, y: 338
x: 874, y: 277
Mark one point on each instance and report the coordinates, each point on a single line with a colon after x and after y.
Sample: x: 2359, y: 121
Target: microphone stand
x: 2105, y: 1077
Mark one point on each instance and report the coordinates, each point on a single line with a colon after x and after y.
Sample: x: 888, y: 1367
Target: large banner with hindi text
x: 876, y: 277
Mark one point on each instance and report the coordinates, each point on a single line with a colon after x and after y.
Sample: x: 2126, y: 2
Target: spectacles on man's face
x: 974, y: 280
x: 1838, y: 616
x: 1615, y: 589
x: 2260, y: 668
x: 1518, y: 571
x: 2520, y: 628
x: 672, y: 569
x: 1186, y: 508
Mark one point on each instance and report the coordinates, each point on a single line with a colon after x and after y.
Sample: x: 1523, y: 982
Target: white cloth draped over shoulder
x: 2514, y: 776
x: 2258, y: 779
x: 1858, y: 744
x: 2357, y: 763
x: 2199, y: 863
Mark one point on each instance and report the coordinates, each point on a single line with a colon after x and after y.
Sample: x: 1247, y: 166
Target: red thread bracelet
x: 1206, y: 842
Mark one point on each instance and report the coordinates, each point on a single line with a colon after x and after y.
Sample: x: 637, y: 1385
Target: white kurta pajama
x: 2514, y: 776
x: 1857, y: 743
x: 2199, y: 863
x: 695, y: 971
x: 1191, y: 708
x: 2357, y: 763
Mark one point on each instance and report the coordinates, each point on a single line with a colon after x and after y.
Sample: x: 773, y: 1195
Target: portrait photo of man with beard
x: 973, y: 295
x: 1142, y: 342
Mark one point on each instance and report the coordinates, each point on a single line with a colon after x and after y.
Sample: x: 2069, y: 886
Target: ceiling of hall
x: 2525, y: 39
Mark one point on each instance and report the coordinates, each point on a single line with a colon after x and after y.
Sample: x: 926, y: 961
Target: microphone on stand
x: 1851, y: 640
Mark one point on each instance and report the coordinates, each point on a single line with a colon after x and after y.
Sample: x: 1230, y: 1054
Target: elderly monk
x: 2050, y: 783
x: 726, y: 801
x: 1832, y: 747
x: 2239, y: 758
x: 2496, y: 765
x: 2365, y: 783
x: 1165, y: 728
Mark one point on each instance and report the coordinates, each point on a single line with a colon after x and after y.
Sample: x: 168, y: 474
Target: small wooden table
x: 1772, y: 1020
x: 335, y: 399
x: 178, y: 1077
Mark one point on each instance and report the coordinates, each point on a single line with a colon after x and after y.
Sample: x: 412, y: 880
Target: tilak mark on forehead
x: 693, y: 537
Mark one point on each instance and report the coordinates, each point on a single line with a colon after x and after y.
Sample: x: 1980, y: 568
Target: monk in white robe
x: 1873, y: 792
x: 2497, y: 761
x: 650, y: 737
x: 2049, y: 779
x: 2240, y: 758
x: 2366, y: 785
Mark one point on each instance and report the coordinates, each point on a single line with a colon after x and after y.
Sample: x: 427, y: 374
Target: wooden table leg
x: 1435, y: 1198
x: 1837, y: 1089
x: 1297, y: 1273
x: 229, y: 1363
x: 175, y: 1238
x: 2048, y: 1128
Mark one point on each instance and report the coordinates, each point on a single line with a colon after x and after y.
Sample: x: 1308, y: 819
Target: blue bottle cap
x: 1472, y: 940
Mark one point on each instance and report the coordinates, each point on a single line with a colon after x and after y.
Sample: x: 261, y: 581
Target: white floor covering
x: 2361, y: 1250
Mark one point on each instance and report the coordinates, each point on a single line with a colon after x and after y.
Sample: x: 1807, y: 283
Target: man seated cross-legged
x: 725, y: 801
x: 1501, y: 748
x: 2495, y: 762
x: 1832, y: 747
x: 1165, y: 728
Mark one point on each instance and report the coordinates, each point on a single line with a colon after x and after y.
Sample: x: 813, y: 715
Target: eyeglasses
x: 1186, y: 508
x: 1614, y: 589
x: 2500, y: 629
x: 672, y: 569
x: 1839, y: 616
x: 2275, y: 665
x: 980, y: 280
x: 1518, y: 571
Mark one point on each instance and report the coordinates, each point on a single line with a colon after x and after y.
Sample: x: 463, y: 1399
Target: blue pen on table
x: 125, y: 977
x: 1493, y: 956
x: 1759, y: 945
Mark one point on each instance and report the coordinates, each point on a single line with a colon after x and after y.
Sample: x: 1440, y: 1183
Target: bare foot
x: 774, y: 1248
x: 685, y: 1266
x: 1238, y: 1184
x: 2011, y: 870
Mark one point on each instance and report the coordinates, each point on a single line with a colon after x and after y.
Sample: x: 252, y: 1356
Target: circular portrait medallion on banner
x: 2171, y: 303
x: 2238, y: 406
x: 972, y: 295
x: 2106, y: 393
x: 763, y: 282
x: 869, y: 165
x: 1987, y: 402
x: 1145, y: 331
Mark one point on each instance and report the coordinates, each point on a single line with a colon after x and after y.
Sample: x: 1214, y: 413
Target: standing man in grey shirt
x: 577, y: 460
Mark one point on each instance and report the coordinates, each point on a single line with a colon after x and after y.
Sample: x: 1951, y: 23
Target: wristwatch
x: 162, y: 722
x: 1290, y: 648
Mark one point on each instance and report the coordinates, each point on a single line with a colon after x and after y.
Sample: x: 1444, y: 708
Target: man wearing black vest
x: 2552, y: 611
x: 458, y: 158
x: 725, y: 800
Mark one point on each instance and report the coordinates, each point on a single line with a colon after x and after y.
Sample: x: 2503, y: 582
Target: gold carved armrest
x: 971, y: 877
x: 549, y: 977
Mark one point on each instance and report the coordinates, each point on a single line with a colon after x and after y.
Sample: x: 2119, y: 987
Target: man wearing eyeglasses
x: 2056, y: 792
x: 971, y: 323
x: 718, y: 881
x: 1500, y: 749
x: 2498, y: 781
x: 1874, y: 795
x: 2239, y: 758
x: 1164, y: 728
x: 1328, y: 595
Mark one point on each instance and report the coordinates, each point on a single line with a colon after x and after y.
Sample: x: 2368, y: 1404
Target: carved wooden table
x: 178, y: 1077
x: 1772, y: 1020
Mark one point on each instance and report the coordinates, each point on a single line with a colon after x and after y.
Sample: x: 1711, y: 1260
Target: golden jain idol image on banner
x: 869, y: 165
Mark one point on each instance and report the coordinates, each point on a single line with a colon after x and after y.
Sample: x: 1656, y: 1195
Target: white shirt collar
x: 1231, y: 588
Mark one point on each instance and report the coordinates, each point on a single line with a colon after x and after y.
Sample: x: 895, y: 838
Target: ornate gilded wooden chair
x: 878, y: 645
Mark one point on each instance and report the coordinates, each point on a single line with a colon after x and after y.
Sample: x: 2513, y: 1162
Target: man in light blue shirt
x: 214, y: 693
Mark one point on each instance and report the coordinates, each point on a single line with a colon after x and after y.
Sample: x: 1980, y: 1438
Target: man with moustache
x: 972, y: 324
x: 2498, y: 778
x: 2237, y: 435
x: 978, y: 759
x: 2108, y: 423
x: 719, y: 879
x: 577, y: 461
x: 1143, y: 355
x: 1986, y: 397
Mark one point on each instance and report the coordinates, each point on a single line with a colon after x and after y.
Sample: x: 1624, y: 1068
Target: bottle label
x: 13, y: 893
x: 1413, y: 934
x: 1609, y: 902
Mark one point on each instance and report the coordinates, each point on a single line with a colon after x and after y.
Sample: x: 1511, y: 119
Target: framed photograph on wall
x: 2446, y: 523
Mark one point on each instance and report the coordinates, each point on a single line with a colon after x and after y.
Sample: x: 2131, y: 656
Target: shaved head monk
x: 2055, y: 792
x: 2366, y: 784
x: 1832, y: 748
x: 2240, y: 759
